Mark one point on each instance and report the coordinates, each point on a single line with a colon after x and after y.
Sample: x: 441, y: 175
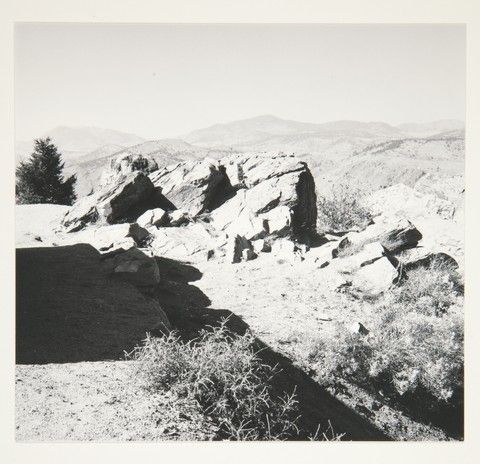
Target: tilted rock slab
x: 423, y: 257
x: 193, y: 186
x: 187, y: 243
x: 128, y: 199
x: 394, y: 235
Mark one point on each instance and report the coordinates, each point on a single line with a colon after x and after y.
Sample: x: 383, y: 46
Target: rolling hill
x: 367, y: 154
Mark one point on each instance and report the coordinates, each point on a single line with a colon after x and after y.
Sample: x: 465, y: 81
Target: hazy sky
x: 164, y: 80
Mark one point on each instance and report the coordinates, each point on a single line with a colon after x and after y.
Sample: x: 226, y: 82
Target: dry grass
x: 223, y: 373
x: 342, y: 210
x: 415, y: 339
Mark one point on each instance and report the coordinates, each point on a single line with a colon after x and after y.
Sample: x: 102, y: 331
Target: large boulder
x: 278, y: 190
x: 125, y: 164
x: 375, y: 278
x: 124, y: 201
x: 278, y: 221
x: 256, y: 170
x: 370, y: 253
x: 404, y: 235
x: 393, y: 234
x: 247, y: 225
x: 194, y: 186
x: 177, y: 218
x: 70, y: 309
x: 188, y: 243
x: 424, y: 257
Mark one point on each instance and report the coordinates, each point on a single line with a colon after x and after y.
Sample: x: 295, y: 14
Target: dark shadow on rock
x: 155, y: 200
x: 177, y: 271
x: 70, y: 308
x: 317, y: 240
x: 222, y: 192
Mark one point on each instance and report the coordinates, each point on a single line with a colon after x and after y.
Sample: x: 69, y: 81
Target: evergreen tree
x: 40, y: 178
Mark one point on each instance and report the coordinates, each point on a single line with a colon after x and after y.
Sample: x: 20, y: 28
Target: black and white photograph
x: 239, y: 232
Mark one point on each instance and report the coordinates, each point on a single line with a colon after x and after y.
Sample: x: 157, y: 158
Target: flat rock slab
x: 70, y: 308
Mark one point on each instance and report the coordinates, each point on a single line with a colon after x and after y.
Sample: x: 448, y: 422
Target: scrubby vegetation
x: 224, y: 374
x: 342, y: 210
x: 414, y: 344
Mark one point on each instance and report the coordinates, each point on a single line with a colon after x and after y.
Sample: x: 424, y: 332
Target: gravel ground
x: 98, y: 401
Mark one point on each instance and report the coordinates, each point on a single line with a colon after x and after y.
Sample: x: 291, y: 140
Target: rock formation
x: 239, y: 208
x: 125, y: 164
x: 233, y: 209
x: 268, y: 197
x: 121, y: 202
x: 74, y: 306
x: 194, y: 186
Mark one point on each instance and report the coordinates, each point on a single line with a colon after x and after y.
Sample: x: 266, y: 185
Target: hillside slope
x: 349, y: 151
x: 387, y: 163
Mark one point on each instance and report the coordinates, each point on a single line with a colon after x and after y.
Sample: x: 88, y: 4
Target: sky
x: 162, y: 80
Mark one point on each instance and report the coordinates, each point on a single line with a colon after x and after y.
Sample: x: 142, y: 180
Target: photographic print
x: 239, y: 232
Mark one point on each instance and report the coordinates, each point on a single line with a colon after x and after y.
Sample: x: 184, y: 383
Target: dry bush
x: 415, y: 341
x: 223, y: 373
x: 431, y: 290
x: 342, y: 210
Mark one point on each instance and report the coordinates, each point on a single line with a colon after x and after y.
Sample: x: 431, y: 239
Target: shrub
x: 224, y: 374
x: 342, y: 210
x: 415, y: 340
x: 40, y: 179
x: 431, y: 290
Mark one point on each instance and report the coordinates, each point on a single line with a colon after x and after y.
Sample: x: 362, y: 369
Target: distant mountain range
x: 272, y: 133
x: 259, y: 133
x: 75, y: 142
x: 332, y: 149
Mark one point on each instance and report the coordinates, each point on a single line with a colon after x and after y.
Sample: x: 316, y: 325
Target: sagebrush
x: 342, y: 210
x: 415, y: 339
x: 224, y: 374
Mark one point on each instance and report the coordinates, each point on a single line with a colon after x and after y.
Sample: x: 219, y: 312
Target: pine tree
x: 40, y: 178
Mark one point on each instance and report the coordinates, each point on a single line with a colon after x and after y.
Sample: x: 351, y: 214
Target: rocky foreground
x: 181, y: 246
